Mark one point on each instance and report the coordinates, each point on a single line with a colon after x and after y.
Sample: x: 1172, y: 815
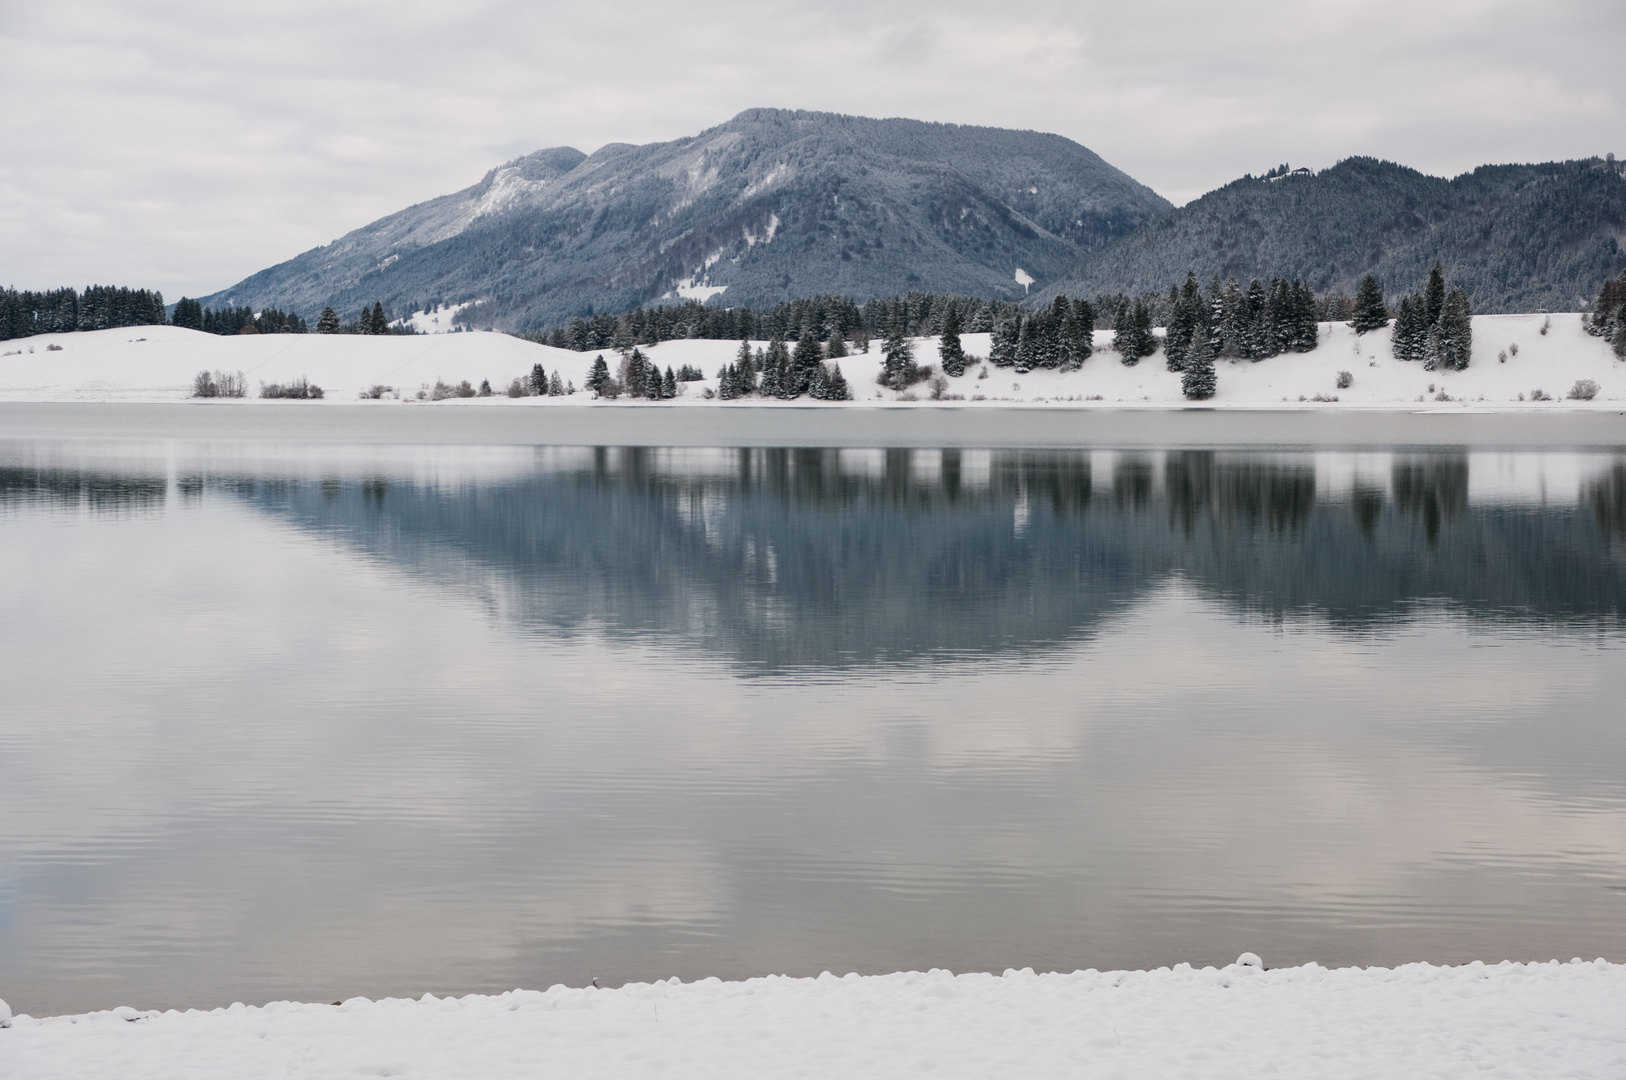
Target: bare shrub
x: 376, y: 391
x: 300, y: 389
x: 1546, y: 325
x: 1325, y: 397
x: 518, y: 388
x: 53, y: 348
x: 1539, y: 394
x: 220, y: 384
x: 1583, y: 390
x: 1513, y: 349
x: 1345, y: 380
x: 1501, y: 357
x: 939, y: 387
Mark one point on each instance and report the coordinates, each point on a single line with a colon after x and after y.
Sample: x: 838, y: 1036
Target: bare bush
x: 518, y: 388
x: 1513, y: 349
x: 1539, y: 394
x: 1345, y: 380
x: 220, y: 384
x: 300, y: 389
x: 1583, y: 390
x: 377, y: 391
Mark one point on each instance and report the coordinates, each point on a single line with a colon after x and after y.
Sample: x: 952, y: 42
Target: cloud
x: 174, y: 144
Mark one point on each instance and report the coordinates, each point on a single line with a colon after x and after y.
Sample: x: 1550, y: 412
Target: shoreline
x: 1538, y: 1019
x: 882, y: 426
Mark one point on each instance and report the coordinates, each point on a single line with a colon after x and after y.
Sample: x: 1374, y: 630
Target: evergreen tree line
x: 1061, y: 336
x: 780, y: 372
x: 1608, y: 318
x: 98, y: 307
x: 818, y: 317
x: 1434, y: 326
x: 192, y: 315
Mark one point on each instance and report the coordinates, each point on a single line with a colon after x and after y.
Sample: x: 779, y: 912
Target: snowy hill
x: 770, y: 205
x: 159, y: 363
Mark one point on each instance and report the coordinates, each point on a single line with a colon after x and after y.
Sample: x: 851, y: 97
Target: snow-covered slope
x: 159, y: 363
x: 1550, y: 1021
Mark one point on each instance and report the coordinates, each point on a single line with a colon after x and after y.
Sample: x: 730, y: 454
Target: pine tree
x: 1197, y: 381
x: 948, y: 345
x: 1306, y: 330
x: 598, y: 375
x: 556, y: 386
x: 835, y: 348
x: 1434, y: 296
x: 1080, y: 332
x: 668, y: 385
x: 1409, y: 330
x: 807, y: 353
x: 1133, y: 338
x: 1187, y: 314
x: 727, y: 383
x: 624, y: 338
x: 1257, y: 340
x: 745, y: 370
x: 1025, y: 346
x: 771, y: 384
x: 1370, y: 312
x: 898, y: 355
x: 1456, y: 337
x: 1002, y: 352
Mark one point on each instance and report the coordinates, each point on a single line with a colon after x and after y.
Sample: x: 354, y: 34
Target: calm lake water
x: 307, y: 721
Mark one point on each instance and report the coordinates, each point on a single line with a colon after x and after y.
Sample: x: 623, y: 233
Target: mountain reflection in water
x: 815, y: 558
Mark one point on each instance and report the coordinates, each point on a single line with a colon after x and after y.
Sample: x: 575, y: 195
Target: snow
x: 158, y: 363
x: 437, y: 320
x: 1551, y: 1021
x: 1024, y: 279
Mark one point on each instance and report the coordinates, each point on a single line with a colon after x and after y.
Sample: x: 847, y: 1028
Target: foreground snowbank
x: 1512, y: 359
x: 1512, y: 1020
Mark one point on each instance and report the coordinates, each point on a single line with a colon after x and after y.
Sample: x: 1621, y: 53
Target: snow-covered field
x: 158, y: 363
x: 1550, y: 1021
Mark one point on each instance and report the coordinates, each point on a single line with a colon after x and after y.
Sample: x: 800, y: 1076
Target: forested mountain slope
x: 1517, y: 237
x: 771, y: 205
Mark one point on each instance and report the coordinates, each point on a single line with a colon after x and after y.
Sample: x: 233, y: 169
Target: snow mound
x: 1550, y: 1020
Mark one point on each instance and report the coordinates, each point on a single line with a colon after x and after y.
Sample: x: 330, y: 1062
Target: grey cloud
x: 181, y: 146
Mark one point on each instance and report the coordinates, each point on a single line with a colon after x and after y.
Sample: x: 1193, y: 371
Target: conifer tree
x: 598, y: 375
x: 1434, y: 296
x: 1456, y: 336
x: 1408, y: 336
x: 1025, y: 345
x: 1133, y: 338
x: 835, y: 347
x: 1305, y: 333
x: 807, y: 352
x: 1370, y: 312
x: 745, y: 371
x: 727, y: 384
x: 556, y: 385
x: 624, y: 339
x: 771, y: 385
x: 539, y: 380
x: 1257, y: 340
x: 835, y: 387
x: 1002, y: 351
x: 1197, y: 380
x: 898, y: 355
x: 1188, y: 316
x: 668, y: 385
x: 1080, y: 332
x: 948, y: 345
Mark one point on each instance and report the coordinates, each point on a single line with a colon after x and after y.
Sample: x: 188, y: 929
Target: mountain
x: 771, y: 205
x: 1518, y: 237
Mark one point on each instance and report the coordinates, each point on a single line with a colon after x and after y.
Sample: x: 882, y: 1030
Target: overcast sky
x: 184, y: 145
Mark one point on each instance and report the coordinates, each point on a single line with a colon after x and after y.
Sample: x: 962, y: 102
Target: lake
x: 308, y: 719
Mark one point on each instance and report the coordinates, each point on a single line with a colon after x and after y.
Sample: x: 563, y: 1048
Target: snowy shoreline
x: 1512, y: 359
x: 1540, y: 1020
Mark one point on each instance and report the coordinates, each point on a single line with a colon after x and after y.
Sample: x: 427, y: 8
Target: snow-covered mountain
x: 770, y: 205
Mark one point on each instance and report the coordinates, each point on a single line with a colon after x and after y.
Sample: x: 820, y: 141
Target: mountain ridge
x: 771, y: 204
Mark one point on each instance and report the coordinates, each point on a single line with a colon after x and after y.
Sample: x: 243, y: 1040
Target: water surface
x: 313, y: 720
